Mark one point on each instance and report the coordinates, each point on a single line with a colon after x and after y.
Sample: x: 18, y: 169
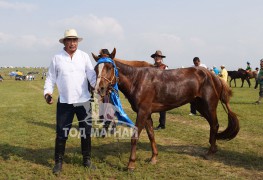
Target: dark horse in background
x: 239, y: 74
x: 151, y: 90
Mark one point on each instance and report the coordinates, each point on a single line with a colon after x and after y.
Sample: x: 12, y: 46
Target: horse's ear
x: 96, y: 58
x: 113, y: 53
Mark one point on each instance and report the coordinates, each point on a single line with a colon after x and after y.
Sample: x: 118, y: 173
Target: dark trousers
x: 65, y: 115
x: 256, y: 85
x: 192, y: 109
x: 162, y: 119
x: 261, y: 90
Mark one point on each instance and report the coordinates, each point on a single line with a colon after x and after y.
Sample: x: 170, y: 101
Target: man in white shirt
x: 197, y: 63
x: 71, y: 70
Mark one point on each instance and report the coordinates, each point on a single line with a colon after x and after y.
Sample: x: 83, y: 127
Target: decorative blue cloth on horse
x: 114, y: 96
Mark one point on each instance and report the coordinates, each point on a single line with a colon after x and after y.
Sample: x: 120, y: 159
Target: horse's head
x: 105, y: 71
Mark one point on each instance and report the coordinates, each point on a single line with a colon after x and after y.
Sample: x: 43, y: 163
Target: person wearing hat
x: 158, y: 63
x: 71, y: 71
x: 260, y: 82
x: 223, y: 73
x: 216, y: 71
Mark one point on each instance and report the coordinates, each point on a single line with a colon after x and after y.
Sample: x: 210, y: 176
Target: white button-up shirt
x: 71, y: 77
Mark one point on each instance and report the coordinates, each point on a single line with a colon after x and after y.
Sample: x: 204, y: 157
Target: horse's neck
x: 127, y: 74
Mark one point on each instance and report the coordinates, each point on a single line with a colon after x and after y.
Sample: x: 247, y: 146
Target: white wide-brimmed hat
x: 70, y: 33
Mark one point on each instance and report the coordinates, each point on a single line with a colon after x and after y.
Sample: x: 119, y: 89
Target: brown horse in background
x: 151, y: 90
x: 254, y: 75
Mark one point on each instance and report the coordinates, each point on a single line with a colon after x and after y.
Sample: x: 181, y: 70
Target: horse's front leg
x: 248, y: 81
x: 140, y: 124
x: 150, y: 132
x: 242, y: 82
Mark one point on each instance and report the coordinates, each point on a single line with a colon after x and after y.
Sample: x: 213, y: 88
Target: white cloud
x: 4, y: 38
x: 197, y: 42
x: 25, y: 41
x: 169, y: 42
x: 94, y: 25
x: 17, y: 6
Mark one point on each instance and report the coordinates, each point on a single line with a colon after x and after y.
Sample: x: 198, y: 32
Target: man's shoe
x: 159, y: 127
x: 59, y: 153
x: 57, y: 168
x: 192, y: 114
x: 257, y: 102
x: 87, y: 164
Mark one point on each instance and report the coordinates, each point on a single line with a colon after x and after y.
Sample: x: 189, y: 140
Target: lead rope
x: 115, y: 125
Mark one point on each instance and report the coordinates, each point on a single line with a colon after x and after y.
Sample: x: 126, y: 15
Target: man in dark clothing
x: 158, y: 63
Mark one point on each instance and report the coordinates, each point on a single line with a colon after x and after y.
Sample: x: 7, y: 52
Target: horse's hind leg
x: 213, y: 132
x: 150, y: 132
x: 209, y: 112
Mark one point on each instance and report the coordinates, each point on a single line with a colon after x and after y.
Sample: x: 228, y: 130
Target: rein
x: 112, y: 86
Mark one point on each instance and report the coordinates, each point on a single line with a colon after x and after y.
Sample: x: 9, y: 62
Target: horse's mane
x: 128, y: 68
x: 134, y: 63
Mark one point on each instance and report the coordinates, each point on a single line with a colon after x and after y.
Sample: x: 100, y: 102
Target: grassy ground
x: 27, y: 134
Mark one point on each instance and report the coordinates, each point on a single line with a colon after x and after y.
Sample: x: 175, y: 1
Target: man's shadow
x: 102, y: 149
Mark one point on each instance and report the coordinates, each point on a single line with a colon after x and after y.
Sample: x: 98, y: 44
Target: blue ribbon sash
x: 114, y: 96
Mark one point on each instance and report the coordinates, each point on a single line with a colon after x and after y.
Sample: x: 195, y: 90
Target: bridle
x: 112, y: 84
x: 110, y: 81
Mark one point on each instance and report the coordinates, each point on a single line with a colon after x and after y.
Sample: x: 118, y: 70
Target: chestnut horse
x: 151, y: 90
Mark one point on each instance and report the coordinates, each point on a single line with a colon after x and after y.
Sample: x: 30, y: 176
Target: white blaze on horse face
x: 100, y: 67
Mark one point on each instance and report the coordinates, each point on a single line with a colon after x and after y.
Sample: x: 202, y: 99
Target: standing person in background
x: 70, y: 70
x: 223, y: 73
x: 158, y: 63
x: 260, y: 81
x: 1, y: 78
x: 197, y: 63
x: 256, y: 71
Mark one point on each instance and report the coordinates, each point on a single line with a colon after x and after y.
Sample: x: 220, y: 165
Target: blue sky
x: 228, y: 32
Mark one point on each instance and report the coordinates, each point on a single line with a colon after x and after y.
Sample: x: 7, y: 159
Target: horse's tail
x: 233, y: 123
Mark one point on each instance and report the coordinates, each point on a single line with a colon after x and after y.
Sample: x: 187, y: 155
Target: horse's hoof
x: 131, y: 170
x: 131, y: 167
x: 208, y: 156
x: 153, y: 161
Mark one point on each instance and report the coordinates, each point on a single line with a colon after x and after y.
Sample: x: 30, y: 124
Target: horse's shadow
x: 44, y: 156
x: 101, y: 150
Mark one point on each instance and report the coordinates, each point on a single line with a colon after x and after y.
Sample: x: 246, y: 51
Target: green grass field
x: 27, y: 135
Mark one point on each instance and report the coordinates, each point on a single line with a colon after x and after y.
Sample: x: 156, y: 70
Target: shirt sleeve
x: 90, y: 73
x: 51, y: 78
